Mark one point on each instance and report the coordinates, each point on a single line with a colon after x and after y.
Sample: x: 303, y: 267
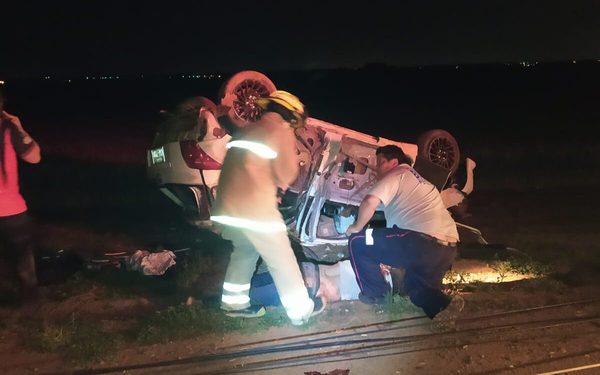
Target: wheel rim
x: 246, y: 94
x: 442, y: 153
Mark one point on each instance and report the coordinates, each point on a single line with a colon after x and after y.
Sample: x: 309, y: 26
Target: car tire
x: 439, y: 147
x: 241, y: 90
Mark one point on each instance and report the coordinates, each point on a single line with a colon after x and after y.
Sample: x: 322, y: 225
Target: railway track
x: 381, y: 339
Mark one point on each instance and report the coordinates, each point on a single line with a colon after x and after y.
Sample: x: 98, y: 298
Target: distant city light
x: 210, y: 76
x: 1, y: 82
x: 142, y: 75
x: 528, y: 64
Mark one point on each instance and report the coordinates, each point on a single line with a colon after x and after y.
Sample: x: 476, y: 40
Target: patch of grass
x: 80, y: 341
x: 502, y: 268
x: 180, y: 322
x: 75, y: 285
x: 192, y: 268
x: 528, y: 266
x: 457, y: 277
x: 456, y: 280
x: 47, y: 337
x: 124, y: 283
x: 396, y: 306
x: 90, y: 344
x: 521, y: 266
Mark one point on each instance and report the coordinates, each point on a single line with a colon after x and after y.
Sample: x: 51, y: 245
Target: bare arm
x: 365, y: 213
x: 25, y: 146
x: 32, y: 155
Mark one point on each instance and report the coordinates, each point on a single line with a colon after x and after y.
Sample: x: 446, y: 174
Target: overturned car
x: 336, y: 166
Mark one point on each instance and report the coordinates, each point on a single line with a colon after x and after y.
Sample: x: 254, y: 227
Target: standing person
x: 420, y: 237
x: 16, y: 237
x: 260, y: 165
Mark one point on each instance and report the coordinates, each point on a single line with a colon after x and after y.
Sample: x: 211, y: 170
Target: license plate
x: 158, y: 155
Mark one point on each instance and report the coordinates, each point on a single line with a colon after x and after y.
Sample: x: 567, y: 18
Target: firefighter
x: 260, y: 164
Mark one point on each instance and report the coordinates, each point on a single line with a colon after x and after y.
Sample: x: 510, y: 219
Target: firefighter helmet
x: 293, y: 109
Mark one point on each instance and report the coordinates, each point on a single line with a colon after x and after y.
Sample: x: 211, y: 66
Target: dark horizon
x: 218, y: 74
x: 98, y: 38
x: 544, y: 101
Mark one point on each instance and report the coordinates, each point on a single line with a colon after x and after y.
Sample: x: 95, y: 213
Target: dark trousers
x: 263, y: 290
x: 16, y: 243
x: 426, y: 262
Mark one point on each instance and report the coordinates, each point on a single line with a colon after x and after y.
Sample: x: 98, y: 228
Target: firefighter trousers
x: 275, y: 250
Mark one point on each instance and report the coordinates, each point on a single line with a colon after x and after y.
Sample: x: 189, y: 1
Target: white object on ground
x: 151, y: 263
x: 348, y: 286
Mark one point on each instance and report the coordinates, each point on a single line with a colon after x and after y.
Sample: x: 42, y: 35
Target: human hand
x: 385, y: 269
x: 13, y: 120
x: 353, y: 228
x: 452, y: 197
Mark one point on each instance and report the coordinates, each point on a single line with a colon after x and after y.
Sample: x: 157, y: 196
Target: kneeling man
x: 420, y: 237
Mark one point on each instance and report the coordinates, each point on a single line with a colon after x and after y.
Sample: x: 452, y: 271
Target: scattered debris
x: 334, y: 372
x: 151, y: 263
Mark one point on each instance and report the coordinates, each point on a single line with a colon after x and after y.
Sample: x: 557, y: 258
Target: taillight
x: 196, y: 158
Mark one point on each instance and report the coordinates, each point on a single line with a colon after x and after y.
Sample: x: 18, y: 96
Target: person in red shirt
x: 16, y: 237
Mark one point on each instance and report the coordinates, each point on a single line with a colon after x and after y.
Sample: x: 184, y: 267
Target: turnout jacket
x: 260, y: 158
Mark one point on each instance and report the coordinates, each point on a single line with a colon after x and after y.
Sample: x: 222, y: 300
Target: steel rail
x: 333, y: 342
x: 392, y: 322
x: 224, y: 354
x: 571, y: 369
x: 541, y: 362
x: 320, y: 333
x: 312, y: 359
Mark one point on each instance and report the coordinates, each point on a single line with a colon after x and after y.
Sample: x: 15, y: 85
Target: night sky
x: 57, y: 38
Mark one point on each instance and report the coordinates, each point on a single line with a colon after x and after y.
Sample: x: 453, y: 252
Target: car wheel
x: 439, y: 147
x: 241, y: 91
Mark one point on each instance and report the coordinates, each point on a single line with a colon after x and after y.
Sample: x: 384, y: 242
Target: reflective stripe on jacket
x: 261, y: 158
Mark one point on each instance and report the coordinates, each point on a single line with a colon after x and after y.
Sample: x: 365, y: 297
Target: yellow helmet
x: 287, y: 101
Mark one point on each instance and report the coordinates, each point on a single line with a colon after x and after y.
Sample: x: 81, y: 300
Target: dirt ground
x: 522, y: 342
